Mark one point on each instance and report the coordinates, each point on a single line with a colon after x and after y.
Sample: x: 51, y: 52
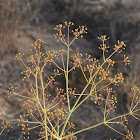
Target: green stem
x: 104, y: 122
x: 106, y: 107
x: 86, y: 97
x: 85, y: 129
x: 103, y: 52
x: 36, y: 94
x: 36, y: 83
x: 63, y: 129
x: 44, y: 104
x: 67, y: 77
x: 2, y: 131
x: 115, y: 130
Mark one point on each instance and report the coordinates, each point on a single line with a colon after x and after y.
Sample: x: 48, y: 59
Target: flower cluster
x: 118, y: 78
x: 59, y: 27
x: 124, y: 121
x: 112, y: 103
x: 69, y: 23
x: 5, y: 125
x: 109, y: 90
x: 104, y: 47
x: 37, y: 45
x: 103, y: 38
x: 77, y: 59
x: 79, y: 31
x: 110, y: 62
x: 126, y: 60
x: 51, y: 55
x: 12, y: 90
x: 103, y: 74
x: 97, y: 98
x: 119, y: 47
x: 59, y: 35
x: 19, y: 56
x: 136, y: 92
x: 129, y: 135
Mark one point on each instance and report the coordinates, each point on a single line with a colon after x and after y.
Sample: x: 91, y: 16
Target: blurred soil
x: 21, y: 23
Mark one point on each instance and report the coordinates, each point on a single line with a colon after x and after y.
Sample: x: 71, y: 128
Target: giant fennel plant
x: 51, y: 111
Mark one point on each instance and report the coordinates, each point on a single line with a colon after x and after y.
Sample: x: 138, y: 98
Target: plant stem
x: 44, y: 104
x: 104, y: 122
x: 106, y: 107
x: 2, y: 131
x: 67, y: 78
x: 63, y: 129
x: 103, y: 51
x: 115, y: 130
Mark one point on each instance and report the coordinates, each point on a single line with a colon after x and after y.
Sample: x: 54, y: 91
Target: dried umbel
x: 51, y: 111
